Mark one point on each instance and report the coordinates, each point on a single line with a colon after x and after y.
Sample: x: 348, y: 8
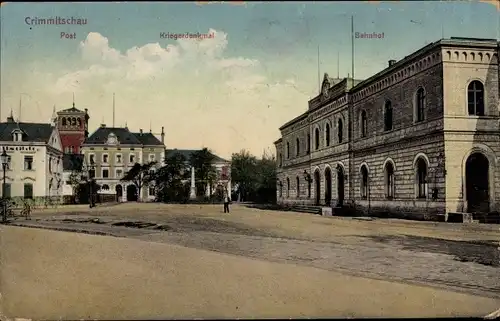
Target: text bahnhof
x: 55, y: 21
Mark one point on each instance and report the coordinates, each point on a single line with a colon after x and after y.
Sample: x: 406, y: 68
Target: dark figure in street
x: 227, y: 200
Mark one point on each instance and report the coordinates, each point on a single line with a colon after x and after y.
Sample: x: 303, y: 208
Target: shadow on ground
x: 480, y: 252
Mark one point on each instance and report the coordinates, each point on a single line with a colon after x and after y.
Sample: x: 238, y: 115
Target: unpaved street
x: 297, y: 247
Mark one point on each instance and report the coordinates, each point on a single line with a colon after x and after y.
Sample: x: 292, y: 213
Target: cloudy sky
x: 227, y: 93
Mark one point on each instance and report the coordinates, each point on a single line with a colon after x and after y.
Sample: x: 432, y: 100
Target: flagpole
x: 319, y: 76
x: 352, y: 44
x: 113, y: 110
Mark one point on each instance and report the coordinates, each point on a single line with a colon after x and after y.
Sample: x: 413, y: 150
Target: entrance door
x: 119, y: 192
x: 132, y: 193
x: 477, y: 183
x: 317, y: 187
x: 340, y: 185
x: 328, y: 186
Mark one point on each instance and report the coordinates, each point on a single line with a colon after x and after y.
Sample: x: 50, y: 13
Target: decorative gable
x: 17, y: 135
x: 112, y: 139
x: 55, y: 140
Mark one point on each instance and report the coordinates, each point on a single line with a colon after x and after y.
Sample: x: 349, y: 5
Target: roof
x: 148, y: 139
x: 188, y: 152
x: 33, y: 132
x: 72, y: 162
x: 71, y: 110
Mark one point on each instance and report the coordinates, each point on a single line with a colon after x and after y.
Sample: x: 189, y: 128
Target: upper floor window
x: 308, y: 143
x: 340, y: 130
x: 105, y: 158
x: 28, y: 163
x: 475, y: 98
x: 18, y: 137
x: 8, y: 165
x: 316, y: 138
x: 327, y: 134
x: 131, y: 158
x: 297, y: 147
x: 118, y: 173
x: 151, y: 157
x: 420, y: 105
x: 287, y: 150
x: 388, y: 116
x: 119, y: 158
x: 280, y: 160
x: 105, y: 173
x: 91, y: 159
x: 364, y: 123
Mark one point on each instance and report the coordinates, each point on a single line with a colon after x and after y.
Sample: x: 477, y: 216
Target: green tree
x: 140, y: 175
x: 266, y: 171
x: 170, y: 180
x: 244, y: 174
x: 202, y: 161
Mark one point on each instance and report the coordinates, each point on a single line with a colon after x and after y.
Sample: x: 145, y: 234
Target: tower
x: 72, y: 124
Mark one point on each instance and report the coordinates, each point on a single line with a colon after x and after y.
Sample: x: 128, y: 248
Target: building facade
x: 222, y: 166
x: 114, y: 151
x: 72, y: 124
x: 421, y: 137
x: 35, y: 166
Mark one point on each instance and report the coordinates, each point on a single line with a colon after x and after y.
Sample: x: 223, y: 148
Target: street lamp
x: 91, y: 180
x: 5, y: 161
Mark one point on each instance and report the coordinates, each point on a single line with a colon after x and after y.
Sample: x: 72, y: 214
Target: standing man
x: 227, y: 200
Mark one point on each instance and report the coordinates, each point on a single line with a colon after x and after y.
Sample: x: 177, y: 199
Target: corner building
x: 420, y: 138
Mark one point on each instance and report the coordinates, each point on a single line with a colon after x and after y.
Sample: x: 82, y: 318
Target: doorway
x: 119, y: 192
x: 328, y: 186
x: 340, y: 185
x: 477, y: 183
x: 317, y: 187
x: 132, y: 193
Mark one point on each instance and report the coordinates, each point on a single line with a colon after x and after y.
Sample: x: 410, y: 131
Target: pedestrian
x: 227, y: 200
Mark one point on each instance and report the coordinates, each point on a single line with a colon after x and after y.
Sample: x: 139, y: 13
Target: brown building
x: 421, y: 137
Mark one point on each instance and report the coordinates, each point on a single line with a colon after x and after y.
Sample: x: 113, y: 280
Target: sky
x: 255, y: 70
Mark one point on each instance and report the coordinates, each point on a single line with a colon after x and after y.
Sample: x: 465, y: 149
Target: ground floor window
x: 364, y: 182
x: 28, y: 190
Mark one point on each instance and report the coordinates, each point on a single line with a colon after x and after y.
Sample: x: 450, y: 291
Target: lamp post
x: 91, y: 180
x: 309, y: 180
x: 5, y: 161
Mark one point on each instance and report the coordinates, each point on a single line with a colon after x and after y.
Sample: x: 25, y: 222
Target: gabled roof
x: 32, y: 132
x: 124, y: 136
x: 148, y: 139
x: 188, y: 152
x: 73, y: 162
x: 71, y: 110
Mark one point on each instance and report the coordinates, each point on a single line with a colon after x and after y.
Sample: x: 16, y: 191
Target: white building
x: 35, y: 158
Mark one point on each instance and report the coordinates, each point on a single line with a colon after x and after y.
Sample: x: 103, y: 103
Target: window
x: 308, y: 143
x: 287, y: 187
x: 475, y: 98
x: 28, y: 190
x: 8, y: 165
x: 340, y: 130
x: 420, y: 105
x: 8, y: 190
x: 105, y: 173
x: 28, y: 163
x: 105, y: 158
x: 151, y: 191
x: 119, y: 173
x: 364, y: 123
x: 64, y: 123
x: 92, y: 173
x: 92, y: 159
x: 105, y: 187
x: 297, y: 147
x: 287, y: 150
x: 151, y: 157
x: 79, y: 121
x: 119, y: 158
x: 297, y: 181
x: 364, y: 182
x: 316, y: 138
x: 18, y: 137
x: 389, y: 180
x: 50, y: 165
x: 421, y: 178
x: 280, y: 160
x: 72, y: 149
x: 327, y: 135
x: 131, y: 158
x: 388, y: 116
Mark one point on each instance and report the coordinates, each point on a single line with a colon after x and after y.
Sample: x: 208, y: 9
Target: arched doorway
x: 132, y: 193
x: 328, y: 186
x: 119, y: 192
x: 477, y: 183
x: 317, y: 187
x: 340, y: 185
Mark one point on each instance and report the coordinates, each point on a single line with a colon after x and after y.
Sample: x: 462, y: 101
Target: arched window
x: 316, y: 138
x: 364, y: 182
x: 64, y: 122
x: 280, y: 159
x: 287, y: 150
x: 420, y: 105
x: 73, y: 121
x: 421, y: 178
x: 297, y: 147
x: 105, y: 187
x: 389, y: 180
x: 340, y: 130
x: 297, y: 181
x: 364, y: 123
x: 287, y: 187
x: 79, y: 121
x: 308, y: 143
x: 475, y: 98
x: 327, y: 134
x: 388, y: 116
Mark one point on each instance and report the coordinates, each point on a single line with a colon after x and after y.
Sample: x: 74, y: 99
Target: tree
x: 244, y: 174
x: 266, y: 170
x: 140, y: 175
x: 170, y: 180
x: 202, y: 161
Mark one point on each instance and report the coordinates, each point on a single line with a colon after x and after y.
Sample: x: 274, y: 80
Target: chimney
x: 103, y: 125
x: 162, y: 135
x: 391, y: 62
x: 140, y: 131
